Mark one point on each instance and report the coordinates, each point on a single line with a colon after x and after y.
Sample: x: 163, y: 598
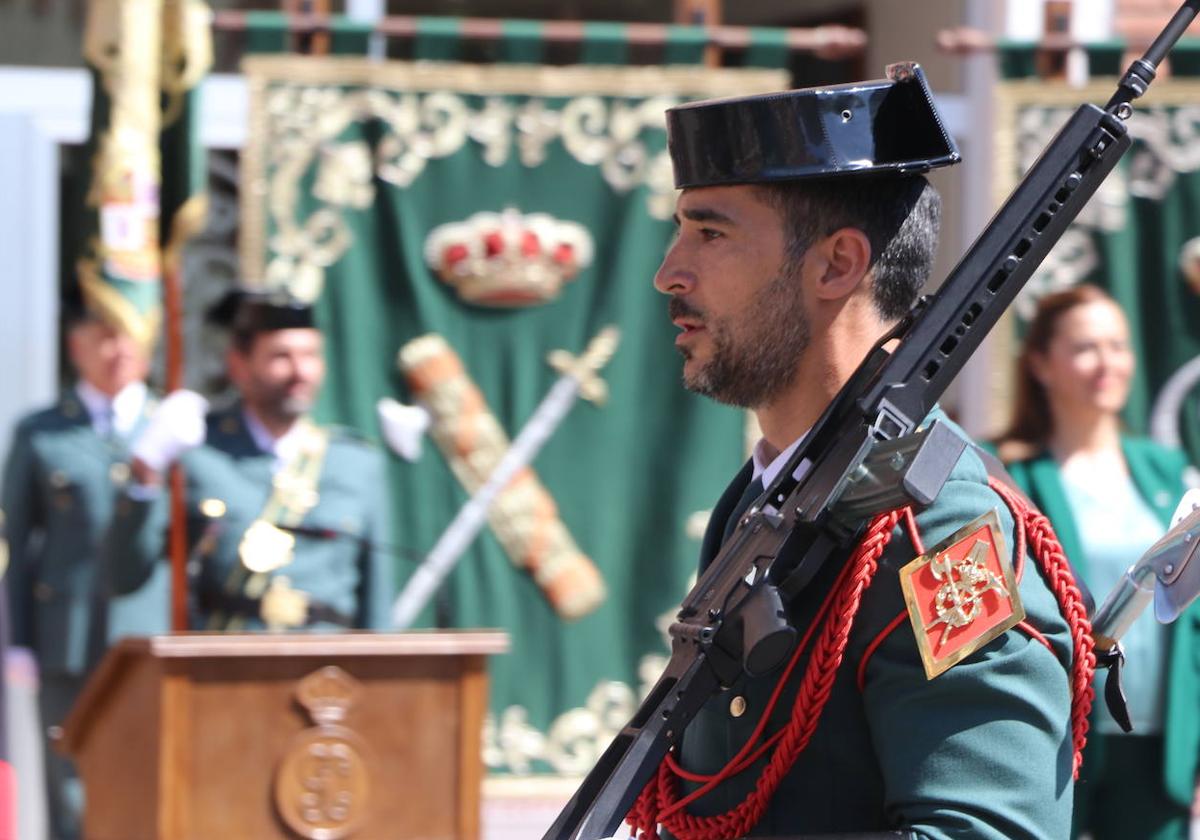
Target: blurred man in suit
x: 64, y: 468
x: 287, y: 519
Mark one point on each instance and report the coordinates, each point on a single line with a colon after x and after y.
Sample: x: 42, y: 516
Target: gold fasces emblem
x: 265, y: 548
x: 959, y: 600
x: 524, y: 517
x: 961, y: 594
x: 283, y: 608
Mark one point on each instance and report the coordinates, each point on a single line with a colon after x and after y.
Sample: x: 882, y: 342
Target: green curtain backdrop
x: 350, y: 167
x: 1139, y: 237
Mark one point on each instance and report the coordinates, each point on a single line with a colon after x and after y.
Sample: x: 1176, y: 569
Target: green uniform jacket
x: 60, y: 481
x: 1157, y: 473
x: 340, y: 557
x: 982, y: 751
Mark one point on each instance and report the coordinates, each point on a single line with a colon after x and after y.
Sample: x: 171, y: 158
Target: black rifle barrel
x: 1141, y: 72
x: 1171, y: 32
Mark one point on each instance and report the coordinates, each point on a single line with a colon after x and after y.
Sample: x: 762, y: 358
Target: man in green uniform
x: 806, y: 230
x: 287, y: 519
x: 65, y: 467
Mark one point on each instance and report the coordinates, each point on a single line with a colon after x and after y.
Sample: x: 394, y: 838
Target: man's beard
x: 754, y: 357
x: 278, y: 405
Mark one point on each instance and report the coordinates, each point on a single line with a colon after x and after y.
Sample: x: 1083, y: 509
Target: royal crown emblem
x: 508, y: 259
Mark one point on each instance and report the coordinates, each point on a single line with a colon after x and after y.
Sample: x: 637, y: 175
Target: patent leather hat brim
x: 884, y: 126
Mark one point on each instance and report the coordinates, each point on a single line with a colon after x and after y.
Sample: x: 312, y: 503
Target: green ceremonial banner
x: 144, y: 198
x: 475, y: 219
x: 1139, y: 237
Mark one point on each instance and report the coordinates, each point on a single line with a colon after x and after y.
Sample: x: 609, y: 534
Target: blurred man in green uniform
x: 66, y: 466
x: 287, y: 519
x: 806, y: 230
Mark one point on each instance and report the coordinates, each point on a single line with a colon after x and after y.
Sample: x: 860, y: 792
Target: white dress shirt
x: 767, y: 468
x: 283, y: 448
x: 117, y: 414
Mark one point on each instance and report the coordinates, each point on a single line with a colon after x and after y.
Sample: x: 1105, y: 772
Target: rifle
x: 864, y: 448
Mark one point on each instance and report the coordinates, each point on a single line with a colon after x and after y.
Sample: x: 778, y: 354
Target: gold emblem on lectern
x: 322, y: 785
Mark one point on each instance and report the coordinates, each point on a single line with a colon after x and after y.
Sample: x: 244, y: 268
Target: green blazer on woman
x: 1157, y: 473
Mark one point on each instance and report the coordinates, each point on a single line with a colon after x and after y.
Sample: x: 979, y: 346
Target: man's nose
x: 672, y: 278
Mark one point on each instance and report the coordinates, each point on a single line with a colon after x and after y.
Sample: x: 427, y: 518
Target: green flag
x: 147, y: 58
x: 474, y: 220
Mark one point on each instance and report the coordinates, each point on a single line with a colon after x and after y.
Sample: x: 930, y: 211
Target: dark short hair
x: 899, y: 215
x: 246, y: 314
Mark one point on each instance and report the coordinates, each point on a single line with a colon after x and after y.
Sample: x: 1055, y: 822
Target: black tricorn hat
x: 886, y: 126
x: 251, y: 311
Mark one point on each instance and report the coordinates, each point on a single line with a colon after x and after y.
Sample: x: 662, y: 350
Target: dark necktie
x: 753, y: 490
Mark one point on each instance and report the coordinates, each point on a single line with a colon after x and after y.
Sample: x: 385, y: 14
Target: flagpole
x: 177, y: 541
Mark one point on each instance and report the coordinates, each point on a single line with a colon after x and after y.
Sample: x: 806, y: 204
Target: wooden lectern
x: 211, y: 736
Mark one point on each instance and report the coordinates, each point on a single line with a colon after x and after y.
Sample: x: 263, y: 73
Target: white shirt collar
x: 121, y: 411
x: 768, y: 470
x: 284, y: 448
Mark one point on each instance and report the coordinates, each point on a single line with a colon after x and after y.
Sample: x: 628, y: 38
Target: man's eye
x: 709, y: 234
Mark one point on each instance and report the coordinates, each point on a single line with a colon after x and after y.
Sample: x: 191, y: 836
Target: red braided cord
x: 918, y: 544
x: 741, y: 761
x: 914, y: 533
x: 1061, y: 580
x: 660, y: 803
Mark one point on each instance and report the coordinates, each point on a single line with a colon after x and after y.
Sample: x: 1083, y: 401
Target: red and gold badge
x: 961, y: 594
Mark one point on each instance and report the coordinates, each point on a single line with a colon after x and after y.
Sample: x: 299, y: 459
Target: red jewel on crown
x: 508, y: 259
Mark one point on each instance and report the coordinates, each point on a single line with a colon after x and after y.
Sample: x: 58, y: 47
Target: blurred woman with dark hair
x: 1109, y: 496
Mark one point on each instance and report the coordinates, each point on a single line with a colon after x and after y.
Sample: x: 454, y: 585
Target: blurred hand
x: 176, y: 427
x: 402, y: 426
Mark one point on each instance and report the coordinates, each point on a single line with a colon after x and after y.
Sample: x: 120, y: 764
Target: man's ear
x: 235, y: 365
x: 843, y: 260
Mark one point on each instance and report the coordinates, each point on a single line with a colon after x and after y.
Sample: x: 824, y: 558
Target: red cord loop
x: 660, y: 802
x: 1061, y: 580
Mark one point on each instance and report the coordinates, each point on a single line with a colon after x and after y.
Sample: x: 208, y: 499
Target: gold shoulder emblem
x: 961, y: 594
